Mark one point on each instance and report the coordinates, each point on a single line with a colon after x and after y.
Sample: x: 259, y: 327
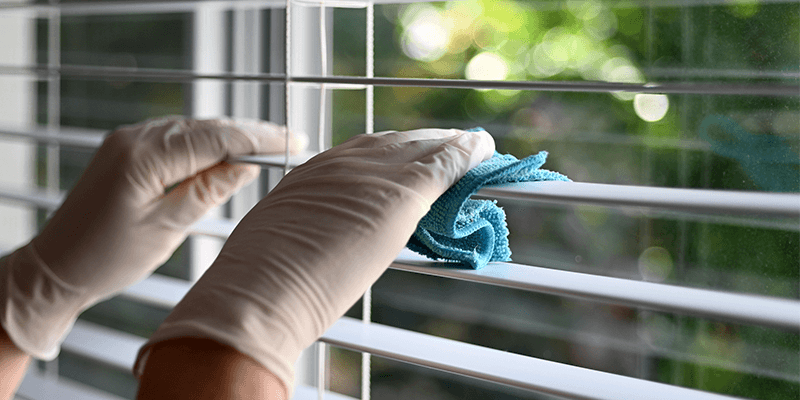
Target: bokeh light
x: 744, y: 8
x: 459, y: 17
x: 584, y: 10
x: 655, y: 264
x: 487, y: 66
x: 425, y: 37
x: 552, y: 54
x: 602, y: 26
x: 651, y: 107
x: 786, y: 123
x: 620, y: 69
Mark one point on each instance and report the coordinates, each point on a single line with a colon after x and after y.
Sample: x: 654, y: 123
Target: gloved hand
x: 306, y: 252
x: 118, y: 224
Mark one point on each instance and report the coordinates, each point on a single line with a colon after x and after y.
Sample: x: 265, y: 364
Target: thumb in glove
x: 118, y: 224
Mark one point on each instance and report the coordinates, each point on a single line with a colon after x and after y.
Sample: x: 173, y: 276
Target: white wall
x: 17, y: 223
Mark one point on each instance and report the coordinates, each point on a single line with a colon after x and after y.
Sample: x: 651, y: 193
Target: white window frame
x: 307, y: 95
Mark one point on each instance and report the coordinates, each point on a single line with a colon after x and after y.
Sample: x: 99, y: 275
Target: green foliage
x: 616, y: 138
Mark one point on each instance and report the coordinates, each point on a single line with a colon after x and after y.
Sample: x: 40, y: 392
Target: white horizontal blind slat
x: 278, y: 160
x: 172, y: 6
x: 137, y: 7
x: 169, y: 6
x: 111, y: 71
x: 159, y: 290
x: 36, y: 386
x: 694, y: 201
x: 85, y: 138
x: 499, y: 366
x: 161, y: 75
x: 726, y: 306
x: 302, y: 392
x: 720, y: 206
x: 119, y: 350
x: 777, y: 312
x: 36, y: 197
x: 701, y: 201
x: 743, y: 308
x: 109, y: 346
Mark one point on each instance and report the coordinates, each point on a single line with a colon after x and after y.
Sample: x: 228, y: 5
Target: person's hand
x: 304, y: 254
x: 120, y: 221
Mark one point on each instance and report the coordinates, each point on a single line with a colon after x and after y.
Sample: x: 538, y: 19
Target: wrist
x: 13, y: 365
x: 175, y: 367
x: 37, y: 309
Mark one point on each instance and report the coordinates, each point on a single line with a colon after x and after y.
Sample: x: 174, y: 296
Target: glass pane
x: 618, y: 41
x: 700, y: 141
x: 107, y: 104
x: 748, y: 140
x: 129, y: 41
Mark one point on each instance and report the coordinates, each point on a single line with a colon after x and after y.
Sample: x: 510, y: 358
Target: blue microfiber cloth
x: 474, y: 232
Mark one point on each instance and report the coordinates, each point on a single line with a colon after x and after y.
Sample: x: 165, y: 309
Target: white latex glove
x: 306, y: 252
x: 117, y: 224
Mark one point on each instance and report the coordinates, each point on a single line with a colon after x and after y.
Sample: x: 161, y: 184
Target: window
x: 671, y: 263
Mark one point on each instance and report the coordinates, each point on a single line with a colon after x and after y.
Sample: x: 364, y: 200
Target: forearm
x: 301, y: 257
x: 13, y: 364
x: 189, y: 368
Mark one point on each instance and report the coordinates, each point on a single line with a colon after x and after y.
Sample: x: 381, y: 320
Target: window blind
x: 668, y: 270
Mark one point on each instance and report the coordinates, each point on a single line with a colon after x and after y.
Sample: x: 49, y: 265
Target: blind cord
x: 287, y: 81
x: 323, y: 49
x: 53, y: 95
x: 370, y: 67
x: 322, y: 349
x: 52, y: 165
x: 366, y: 312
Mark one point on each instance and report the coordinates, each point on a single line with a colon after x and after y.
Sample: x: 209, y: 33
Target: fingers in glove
x: 170, y: 149
x: 389, y: 137
x: 192, y: 198
x: 210, y: 141
x: 407, y: 147
x: 428, y: 167
x: 477, y: 146
x: 433, y: 172
x: 364, y: 145
x: 418, y: 134
x: 265, y: 137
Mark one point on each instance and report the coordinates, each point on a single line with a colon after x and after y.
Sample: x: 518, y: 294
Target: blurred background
x: 747, y: 139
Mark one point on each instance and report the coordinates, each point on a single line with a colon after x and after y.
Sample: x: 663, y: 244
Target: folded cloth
x: 474, y: 232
